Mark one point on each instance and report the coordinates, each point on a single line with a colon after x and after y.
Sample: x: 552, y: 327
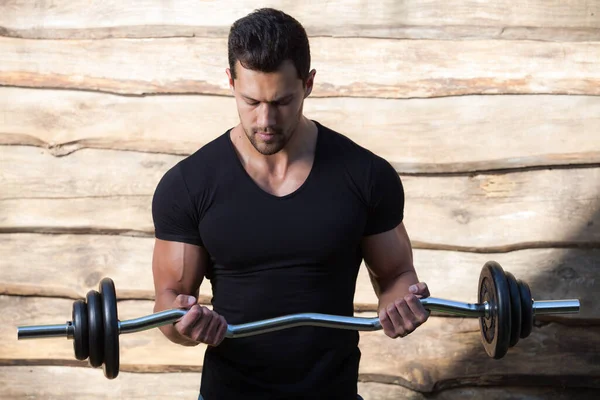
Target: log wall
x: 489, y: 111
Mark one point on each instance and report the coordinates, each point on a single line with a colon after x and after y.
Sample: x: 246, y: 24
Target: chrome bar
x: 45, y: 331
x: 313, y: 319
x: 544, y: 307
x: 150, y: 321
x: 304, y: 319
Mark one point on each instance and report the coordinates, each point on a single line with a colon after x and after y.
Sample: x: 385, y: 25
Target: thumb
x: 420, y: 289
x: 185, y: 301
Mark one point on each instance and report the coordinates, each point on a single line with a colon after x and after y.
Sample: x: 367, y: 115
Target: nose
x: 267, y: 115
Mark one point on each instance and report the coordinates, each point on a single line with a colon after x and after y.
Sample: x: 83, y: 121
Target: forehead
x: 285, y: 78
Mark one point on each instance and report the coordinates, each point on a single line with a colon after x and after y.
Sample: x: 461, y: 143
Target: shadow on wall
x: 563, y: 351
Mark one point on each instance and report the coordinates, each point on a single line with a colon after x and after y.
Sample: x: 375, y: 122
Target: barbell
x: 505, y: 308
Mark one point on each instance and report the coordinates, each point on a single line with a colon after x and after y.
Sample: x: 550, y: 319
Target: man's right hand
x: 199, y: 324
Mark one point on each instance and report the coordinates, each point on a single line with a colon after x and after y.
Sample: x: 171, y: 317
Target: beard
x: 277, y: 140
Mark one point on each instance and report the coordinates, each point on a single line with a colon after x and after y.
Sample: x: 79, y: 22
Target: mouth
x: 266, y: 136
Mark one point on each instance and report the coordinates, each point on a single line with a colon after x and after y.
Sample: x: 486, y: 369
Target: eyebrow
x: 277, y: 100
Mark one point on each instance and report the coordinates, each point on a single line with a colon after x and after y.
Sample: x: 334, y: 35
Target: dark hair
x: 263, y: 39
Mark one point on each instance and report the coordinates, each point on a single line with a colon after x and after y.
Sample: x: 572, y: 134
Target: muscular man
x: 278, y: 213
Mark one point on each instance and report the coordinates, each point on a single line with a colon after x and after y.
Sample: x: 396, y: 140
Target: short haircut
x: 264, y: 39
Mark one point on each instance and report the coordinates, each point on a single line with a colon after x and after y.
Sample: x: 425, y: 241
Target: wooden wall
x: 489, y: 111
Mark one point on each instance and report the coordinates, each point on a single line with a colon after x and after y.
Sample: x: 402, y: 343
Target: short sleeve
x: 174, y: 216
x: 386, y: 203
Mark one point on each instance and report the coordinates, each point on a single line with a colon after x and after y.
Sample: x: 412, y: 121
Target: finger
x: 417, y: 309
x: 408, y: 319
x: 187, y: 323
x: 386, y: 323
x: 212, y: 329
x: 396, y: 317
x: 420, y: 289
x: 199, y: 333
x: 222, y: 330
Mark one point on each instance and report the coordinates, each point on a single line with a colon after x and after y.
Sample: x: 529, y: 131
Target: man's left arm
x: 388, y: 257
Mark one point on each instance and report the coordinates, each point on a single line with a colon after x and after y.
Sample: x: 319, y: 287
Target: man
x: 278, y: 213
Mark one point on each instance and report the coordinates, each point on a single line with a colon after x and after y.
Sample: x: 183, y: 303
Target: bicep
x: 388, y: 254
x: 178, y: 267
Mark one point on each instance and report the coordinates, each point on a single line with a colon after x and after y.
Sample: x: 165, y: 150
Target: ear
x: 310, y: 81
x: 231, y: 81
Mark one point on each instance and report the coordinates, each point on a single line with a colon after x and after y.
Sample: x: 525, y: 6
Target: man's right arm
x: 178, y: 270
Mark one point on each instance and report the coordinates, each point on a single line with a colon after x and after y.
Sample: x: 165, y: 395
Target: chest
x: 281, y: 185
x: 245, y: 226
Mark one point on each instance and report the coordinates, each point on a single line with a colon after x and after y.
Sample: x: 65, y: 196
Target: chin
x: 270, y: 148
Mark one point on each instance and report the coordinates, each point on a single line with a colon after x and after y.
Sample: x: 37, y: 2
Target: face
x: 269, y: 104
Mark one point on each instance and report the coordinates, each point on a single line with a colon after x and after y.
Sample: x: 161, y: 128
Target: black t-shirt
x: 273, y: 256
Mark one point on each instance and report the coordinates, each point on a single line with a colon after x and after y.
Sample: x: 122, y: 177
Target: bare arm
x: 389, y: 259
x: 178, y: 270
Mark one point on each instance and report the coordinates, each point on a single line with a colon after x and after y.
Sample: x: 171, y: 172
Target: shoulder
x: 192, y: 179
x: 355, y: 158
x: 206, y: 158
x: 199, y: 168
x: 340, y: 144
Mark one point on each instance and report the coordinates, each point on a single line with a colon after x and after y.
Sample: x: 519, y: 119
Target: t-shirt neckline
x: 252, y: 182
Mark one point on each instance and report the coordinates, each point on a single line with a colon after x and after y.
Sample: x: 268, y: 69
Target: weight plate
x: 526, y: 309
x: 80, y: 330
x: 96, y: 329
x: 515, y: 309
x: 495, y: 327
x: 111, y: 328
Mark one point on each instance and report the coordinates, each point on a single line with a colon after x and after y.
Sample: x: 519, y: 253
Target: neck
x: 300, y: 148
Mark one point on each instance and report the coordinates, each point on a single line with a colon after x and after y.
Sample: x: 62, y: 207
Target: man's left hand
x: 405, y: 314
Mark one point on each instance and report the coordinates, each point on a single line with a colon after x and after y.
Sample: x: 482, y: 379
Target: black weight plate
x: 96, y: 329
x: 526, y: 309
x: 111, y: 328
x: 515, y: 309
x: 80, y: 330
x: 495, y: 328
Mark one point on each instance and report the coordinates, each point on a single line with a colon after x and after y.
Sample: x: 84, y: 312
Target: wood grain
x: 505, y: 212
x: 81, y: 261
x: 443, y: 353
x: 30, y: 263
x: 469, y: 133
x: 482, y: 213
x: 56, y: 382
x: 197, y: 65
x: 452, y: 19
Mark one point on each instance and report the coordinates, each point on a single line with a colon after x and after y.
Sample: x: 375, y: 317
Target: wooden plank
x: 446, y: 352
x: 541, y: 20
x: 482, y: 213
x: 109, y: 215
x: 553, y: 355
x: 196, y: 65
x: 82, y: 260
x: 87, y: 173
x: 469, y: 133
x: 57, y: 382
x: 504, y: 212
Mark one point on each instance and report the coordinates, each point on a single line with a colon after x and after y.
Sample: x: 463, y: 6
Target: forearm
x: 389, y: 290
x: 163, y: 302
